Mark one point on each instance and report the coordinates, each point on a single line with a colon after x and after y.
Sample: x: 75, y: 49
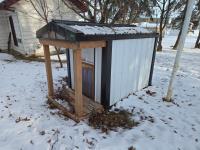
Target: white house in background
x: 19, y: 18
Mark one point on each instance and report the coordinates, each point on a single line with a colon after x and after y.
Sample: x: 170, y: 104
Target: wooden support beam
x: 92, y: 44
x: 73, y: 45
x: 78, y: 82
x: 48, y: 70
x: 63, y: 109
x: 60, y: 43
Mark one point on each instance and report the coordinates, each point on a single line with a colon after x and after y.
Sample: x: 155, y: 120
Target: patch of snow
x: 96, y: 30
x: 5, y: 56
x: 148, y: 25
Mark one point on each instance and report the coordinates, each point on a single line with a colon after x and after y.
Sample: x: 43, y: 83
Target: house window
x: 13, y: 31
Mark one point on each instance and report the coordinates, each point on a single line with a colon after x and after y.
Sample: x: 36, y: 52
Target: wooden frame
x: 78, y: 98
x: 73, y: 45
x: 48, y: 70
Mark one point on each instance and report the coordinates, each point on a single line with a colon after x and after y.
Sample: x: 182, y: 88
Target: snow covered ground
x: 26, y: 122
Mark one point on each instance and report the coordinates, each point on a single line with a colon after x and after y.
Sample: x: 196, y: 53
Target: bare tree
x: 165, y: 7
x: 182, y: 18
x: 42, y: 9
x: 197, y: 44
x: 113, y: 11
x: 188, y: 15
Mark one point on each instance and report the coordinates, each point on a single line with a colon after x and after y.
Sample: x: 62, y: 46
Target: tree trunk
x: 179, y: 35
x: 159, y: 47
x: 186, y: 23
x: 58, y: 54
x: 197, y: 45
x: 178, y: 39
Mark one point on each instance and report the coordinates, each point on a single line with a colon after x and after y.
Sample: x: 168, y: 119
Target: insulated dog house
x: 106, y: 63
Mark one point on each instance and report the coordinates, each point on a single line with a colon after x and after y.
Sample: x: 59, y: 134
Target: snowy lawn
x: 26, y: 122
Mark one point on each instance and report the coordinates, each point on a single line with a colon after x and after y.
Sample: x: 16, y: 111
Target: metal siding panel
x: 146, y: 62
x: 137, y: 63
x: 134, y: 66
x: 145, y: 68
x: 142, y: 63
x: 125, y: 69
x: 119, y: 71
x: 131, y: 63
x: 115, y: 73
x: 98, y: 62
x: 114, y: 76
x: 130, y: 75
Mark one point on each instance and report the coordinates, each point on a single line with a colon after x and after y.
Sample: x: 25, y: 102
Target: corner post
x: 48, y: 70
x: 78, y: 82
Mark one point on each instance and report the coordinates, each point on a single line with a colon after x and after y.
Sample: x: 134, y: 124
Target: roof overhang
x: 67, y: 31
x: 6, y: 4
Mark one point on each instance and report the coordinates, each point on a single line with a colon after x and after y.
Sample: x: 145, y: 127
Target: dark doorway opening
x: 13, y: 31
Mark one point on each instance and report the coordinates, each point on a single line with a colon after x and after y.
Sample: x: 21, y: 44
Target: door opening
x: 13, y: 31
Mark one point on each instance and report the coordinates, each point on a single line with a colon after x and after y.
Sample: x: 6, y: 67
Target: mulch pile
x: 111, y: 120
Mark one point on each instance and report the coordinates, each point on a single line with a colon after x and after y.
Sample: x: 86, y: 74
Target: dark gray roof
x: 83, y: 31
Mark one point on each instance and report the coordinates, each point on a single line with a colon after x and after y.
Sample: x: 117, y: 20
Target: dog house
x: 106, y: 63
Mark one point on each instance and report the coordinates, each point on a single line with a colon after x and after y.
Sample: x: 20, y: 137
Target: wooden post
x: 78, y: 82
x: 48, y: 70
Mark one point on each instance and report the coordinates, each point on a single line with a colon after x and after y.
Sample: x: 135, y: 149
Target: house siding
x: 30, y: 22
x: 131, y: 64
x: 4, y: 30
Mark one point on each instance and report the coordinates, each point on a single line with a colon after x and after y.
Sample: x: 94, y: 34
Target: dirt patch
x: 111, y: 120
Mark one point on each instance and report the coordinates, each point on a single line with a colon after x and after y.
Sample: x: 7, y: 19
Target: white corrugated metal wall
x: 98, y: 63
x: 131, y: 64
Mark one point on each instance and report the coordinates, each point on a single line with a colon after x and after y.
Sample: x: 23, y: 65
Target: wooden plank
x: 92, y: 44
x: 88, y: 104
x: 60, y: 43
x: 73, y: 45
x: 48, y: 70
x: 78, y: 82
x: 63, y: 109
